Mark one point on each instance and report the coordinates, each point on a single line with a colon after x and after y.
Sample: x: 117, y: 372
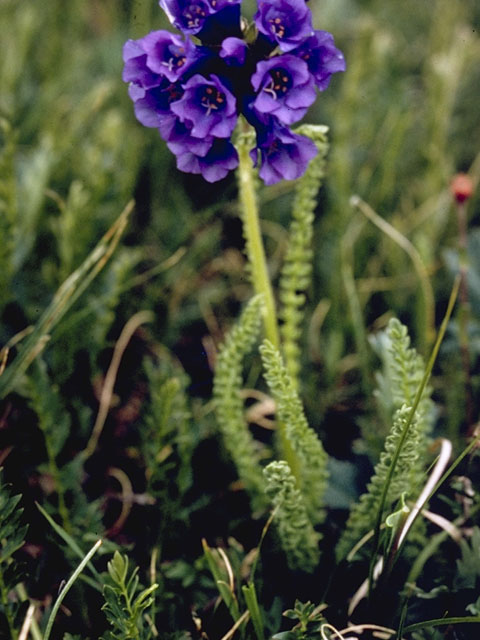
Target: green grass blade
x: 67, y: 588
x: 223, y: 588
x: 70, y: 542
x: 65, y: 297
x: 439, y: 622
x: 251, y: 601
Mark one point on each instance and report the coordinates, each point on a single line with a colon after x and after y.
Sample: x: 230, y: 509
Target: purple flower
x: 284, y: 155
x: 193, y: 90
x: 152, y: 106
x: 215, y: 165
x: 286, y: 22
x: 234, y: 51
x: 159, y: 54
x: 179, y: 138
x: 168, y: 54
x: 190, y: 16
x: 285, y: 88
x: 135, y: 68
x: 322, y: 57
x: 208, y: 106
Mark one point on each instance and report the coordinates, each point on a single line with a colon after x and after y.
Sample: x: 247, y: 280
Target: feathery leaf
x: 297, y: 268
x: 304, y: 441
x: 297, y: 535
x: 229, y: 403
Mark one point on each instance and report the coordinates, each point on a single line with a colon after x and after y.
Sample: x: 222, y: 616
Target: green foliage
x: 47, y: 403
x: 126, y: 602
x: 404, y: 370
x: 229, y: 403
x: 12, y: 534
x: 364, y: 512
x: 297, y: 535
x: 251, y: 600
x: 309, y: 617
x: 468, y: 566
x: 305, y: 443
x: 297, y: 268
x: 220, y: 576
x: 66, y: 295
x: 88, y: 323
x: 168, y: 424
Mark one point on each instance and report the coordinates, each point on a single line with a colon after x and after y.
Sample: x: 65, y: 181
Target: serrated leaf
x: 112, y: 606
x: 13, y: 543
x: 468, y: 566
x: 7, y: 505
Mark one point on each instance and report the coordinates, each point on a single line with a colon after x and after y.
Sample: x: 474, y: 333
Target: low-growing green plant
x: 126, y: 603
x: 12, y: 537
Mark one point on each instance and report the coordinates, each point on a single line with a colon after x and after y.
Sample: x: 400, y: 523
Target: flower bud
x: 461, y: 187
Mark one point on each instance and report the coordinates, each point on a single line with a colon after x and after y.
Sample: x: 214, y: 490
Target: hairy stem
x: 253, y: 237
x: 258, y: 265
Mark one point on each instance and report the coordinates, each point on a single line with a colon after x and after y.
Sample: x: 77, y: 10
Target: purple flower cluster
x: 268, y: 72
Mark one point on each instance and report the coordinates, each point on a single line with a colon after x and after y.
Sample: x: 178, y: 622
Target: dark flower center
x: 279, y: 83
x: 174, y: 92
x: 272, y: 148
x: 277, y: 28
x: 212, y: 99
x: 194, y: 14
x: 177, y: 57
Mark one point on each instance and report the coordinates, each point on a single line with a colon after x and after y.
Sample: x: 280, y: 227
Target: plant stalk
x: 258, y: 266
x: 254, y: 243
x: 464, y: 314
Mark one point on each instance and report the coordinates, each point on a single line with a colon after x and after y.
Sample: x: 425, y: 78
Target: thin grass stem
x: 420, y: 269
x: 65, y: 297
x: 67, y: 588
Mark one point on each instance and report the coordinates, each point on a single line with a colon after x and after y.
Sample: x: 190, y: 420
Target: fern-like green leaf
x: 297, y: 535
x: 12, y: 534
x: 404, y: 370
x: 229, y: 403
x: 304, y: 441
x: 126, y: 601
x: 363, y: 514
x: 45, y: 399
x: 168, y: 420
x: 297, y: 268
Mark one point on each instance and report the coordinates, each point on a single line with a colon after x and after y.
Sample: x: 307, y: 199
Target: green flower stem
x: 253, y: 237
x: 258, y: 264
